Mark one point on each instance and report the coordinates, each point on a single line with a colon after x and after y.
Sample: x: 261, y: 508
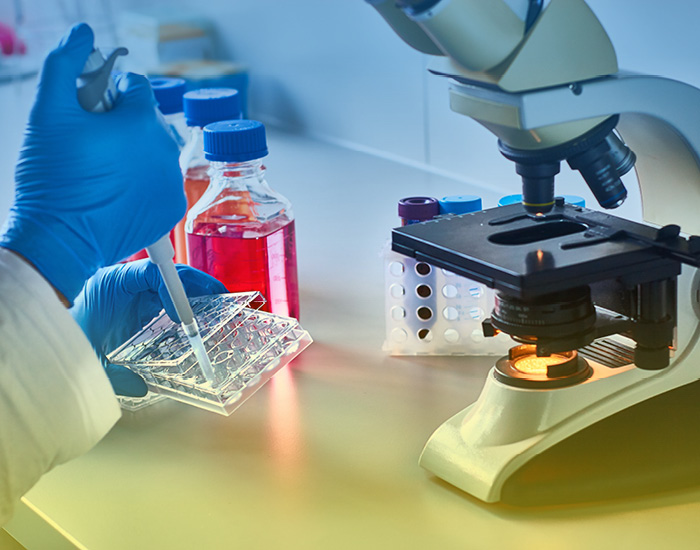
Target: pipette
x: 97, y: 93
x: 96, y: 88
x: 162, y: 253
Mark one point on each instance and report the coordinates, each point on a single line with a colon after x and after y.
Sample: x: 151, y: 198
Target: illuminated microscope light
x: 522, y: 368
x: 531, y: 364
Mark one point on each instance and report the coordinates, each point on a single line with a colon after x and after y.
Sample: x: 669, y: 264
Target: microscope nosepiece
x: 599, y: 155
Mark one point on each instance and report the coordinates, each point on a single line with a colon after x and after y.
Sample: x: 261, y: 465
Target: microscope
x: 604, y: 312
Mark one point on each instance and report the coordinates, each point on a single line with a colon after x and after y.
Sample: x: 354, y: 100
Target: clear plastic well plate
x: 245, y: 347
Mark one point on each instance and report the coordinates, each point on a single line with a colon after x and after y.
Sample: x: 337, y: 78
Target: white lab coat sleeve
x: 56, y: 401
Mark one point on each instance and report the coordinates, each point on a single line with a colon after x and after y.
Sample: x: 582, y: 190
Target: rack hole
x: 423, y: 269
x: 396, y: 269
x: 450, y: 313
x: 449, y: 291
x: 396, y: 291
x: 424, y: 291
x: 424, y: 313
x: 451, y: 336
x: 398, y: 313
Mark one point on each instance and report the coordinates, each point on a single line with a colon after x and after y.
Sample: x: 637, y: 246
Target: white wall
x: 334, y: 69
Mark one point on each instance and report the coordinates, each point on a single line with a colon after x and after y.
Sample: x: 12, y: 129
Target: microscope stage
x: 528, y: 256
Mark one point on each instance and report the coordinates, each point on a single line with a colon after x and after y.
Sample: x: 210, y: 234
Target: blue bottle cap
x: 460, y: 204
x: 209, y: 105
x: 510, y: 199
x: 574, y: 200
x: 168, y: 92
x: 234, y: 140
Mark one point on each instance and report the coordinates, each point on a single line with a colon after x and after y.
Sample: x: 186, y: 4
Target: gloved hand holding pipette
x: 91, y: 188
x: 97, y: 93
x: 118, y: 301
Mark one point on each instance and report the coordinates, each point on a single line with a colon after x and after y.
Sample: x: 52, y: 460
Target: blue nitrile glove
x: 91, y: 188
x: 118, y: 301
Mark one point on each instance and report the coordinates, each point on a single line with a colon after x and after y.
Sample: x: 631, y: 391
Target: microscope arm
x: 406, y: 29
x: 512, y: 44
x: 478, y: 35
x: 515, y: 46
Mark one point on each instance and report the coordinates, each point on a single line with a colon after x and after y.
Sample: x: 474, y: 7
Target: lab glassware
x: 246, y: 347
x: 201, y: 107
x: 241, y: 231
x: 168, y: 93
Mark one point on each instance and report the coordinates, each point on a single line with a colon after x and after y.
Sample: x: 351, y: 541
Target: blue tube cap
x: 168, y: 93
x: 234, y: 140
x: 209, y: 105
x: 510, y: 199
x: 460, y: 204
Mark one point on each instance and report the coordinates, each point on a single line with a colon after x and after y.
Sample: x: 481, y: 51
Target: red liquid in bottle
x: 228, y: 242
x: 196, y: 182
x: 243, y: 263
x: 141, y: 254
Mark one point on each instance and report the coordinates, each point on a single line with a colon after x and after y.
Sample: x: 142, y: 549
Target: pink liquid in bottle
x: 141, y: 254
x: 247, y: 255
x: 242, y: 231
x: 196, y: 182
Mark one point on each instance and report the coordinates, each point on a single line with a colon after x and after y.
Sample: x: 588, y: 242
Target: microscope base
x: 480, y: 448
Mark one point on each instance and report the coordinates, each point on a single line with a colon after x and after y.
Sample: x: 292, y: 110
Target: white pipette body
x: 162, y: 253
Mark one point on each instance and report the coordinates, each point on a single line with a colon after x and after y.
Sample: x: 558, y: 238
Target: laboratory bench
x: 326, y: 454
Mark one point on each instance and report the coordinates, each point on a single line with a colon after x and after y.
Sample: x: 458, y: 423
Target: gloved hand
x: 91, y: 188
x: 120, y: 300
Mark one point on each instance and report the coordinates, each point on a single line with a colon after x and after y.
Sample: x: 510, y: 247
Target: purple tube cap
x: 418, y: 208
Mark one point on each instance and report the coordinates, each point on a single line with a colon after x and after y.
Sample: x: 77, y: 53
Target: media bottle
x: 241, y: 231
x: 168, y: 93
x: 201, y: 107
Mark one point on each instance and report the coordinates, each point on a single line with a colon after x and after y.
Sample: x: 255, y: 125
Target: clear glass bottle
x: 168, y: 93
x: 241, y: 231
x: 201, y: 107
